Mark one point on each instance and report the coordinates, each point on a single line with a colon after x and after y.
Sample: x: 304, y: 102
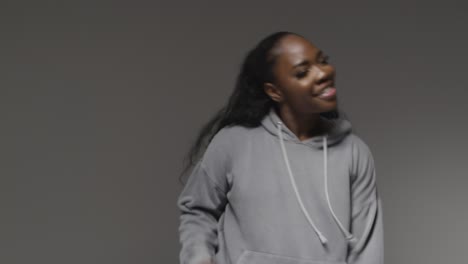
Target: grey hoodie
x: 262, y: 196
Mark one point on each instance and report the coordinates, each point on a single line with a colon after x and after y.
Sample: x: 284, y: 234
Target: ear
x: 273, y: 91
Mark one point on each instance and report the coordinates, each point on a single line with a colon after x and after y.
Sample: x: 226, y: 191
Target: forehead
x: 293, y: 49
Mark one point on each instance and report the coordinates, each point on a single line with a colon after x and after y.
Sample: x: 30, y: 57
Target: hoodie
x: 263, y: 196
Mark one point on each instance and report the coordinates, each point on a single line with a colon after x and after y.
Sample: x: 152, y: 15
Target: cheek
x: 301, y: 95
x: 298, y: 91
x: 304, y: 87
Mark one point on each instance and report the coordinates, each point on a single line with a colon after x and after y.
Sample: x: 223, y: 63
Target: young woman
x: 283, y: 179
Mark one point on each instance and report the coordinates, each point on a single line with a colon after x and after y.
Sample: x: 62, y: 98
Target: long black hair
x: 248, y: 103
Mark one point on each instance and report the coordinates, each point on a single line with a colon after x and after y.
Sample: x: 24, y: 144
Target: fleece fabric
x: 263, y: 196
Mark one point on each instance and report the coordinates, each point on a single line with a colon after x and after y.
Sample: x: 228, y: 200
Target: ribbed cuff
x: 196, y: 255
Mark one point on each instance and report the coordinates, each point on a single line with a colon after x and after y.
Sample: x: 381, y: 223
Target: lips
x: 328, y: 94
x: 324, y: 86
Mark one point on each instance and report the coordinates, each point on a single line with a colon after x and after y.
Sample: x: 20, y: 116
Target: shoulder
x: 358, y: 144
x: 354, y: 144
x: 225, y: 142
x: 230, y: 133
x: 228, y: 137
x: 362, y: 157
x: 223, y: 148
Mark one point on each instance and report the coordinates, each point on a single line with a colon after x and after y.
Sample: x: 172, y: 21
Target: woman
x: 283, y: 178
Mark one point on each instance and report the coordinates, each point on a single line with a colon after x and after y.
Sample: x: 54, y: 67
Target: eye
x: 302, y: 74
x: 325, y: 59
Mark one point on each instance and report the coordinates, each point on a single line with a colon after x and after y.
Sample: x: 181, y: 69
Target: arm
x: 201, y: 203
x: 367, y: 212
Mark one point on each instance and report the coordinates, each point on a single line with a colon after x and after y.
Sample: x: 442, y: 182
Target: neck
x: 304, y: 126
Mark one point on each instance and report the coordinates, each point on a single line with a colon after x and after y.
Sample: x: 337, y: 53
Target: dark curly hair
x: 248, y: 103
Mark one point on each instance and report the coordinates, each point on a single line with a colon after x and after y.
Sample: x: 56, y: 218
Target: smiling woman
x: 303, y: 84
x: 283, y: 178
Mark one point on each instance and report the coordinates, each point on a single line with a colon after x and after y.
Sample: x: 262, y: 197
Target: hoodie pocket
x: 254, y: 257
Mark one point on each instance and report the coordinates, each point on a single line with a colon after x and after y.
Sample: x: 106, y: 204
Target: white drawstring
x: 323, y: 239
x: 348, y: 235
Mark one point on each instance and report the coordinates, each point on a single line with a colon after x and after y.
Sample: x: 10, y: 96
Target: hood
x: 339, y: 128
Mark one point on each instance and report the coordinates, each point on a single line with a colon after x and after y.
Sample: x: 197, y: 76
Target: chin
x: 330, y: 106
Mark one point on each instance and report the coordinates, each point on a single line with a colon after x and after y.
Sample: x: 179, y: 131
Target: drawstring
x: 322, y: 238
x: 348, y: 235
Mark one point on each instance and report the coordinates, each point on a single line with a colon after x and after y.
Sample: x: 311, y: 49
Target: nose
x: 321, y: 73
x: 324, y: 74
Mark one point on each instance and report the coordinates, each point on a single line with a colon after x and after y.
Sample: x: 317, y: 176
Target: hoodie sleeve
x: 367, y: 212
x: 201, y: 204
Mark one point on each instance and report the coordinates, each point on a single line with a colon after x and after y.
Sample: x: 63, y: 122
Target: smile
x: 328, y: 93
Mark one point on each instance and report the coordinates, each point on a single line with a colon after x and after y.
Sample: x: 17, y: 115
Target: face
x: 302, y: 75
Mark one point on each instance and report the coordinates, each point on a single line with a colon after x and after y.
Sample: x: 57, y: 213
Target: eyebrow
x: 307, y: 62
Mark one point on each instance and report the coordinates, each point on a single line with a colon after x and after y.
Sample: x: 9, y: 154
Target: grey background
x: 100, y: 101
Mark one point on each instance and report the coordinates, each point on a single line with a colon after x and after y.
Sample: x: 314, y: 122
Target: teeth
x: 326, y: 90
